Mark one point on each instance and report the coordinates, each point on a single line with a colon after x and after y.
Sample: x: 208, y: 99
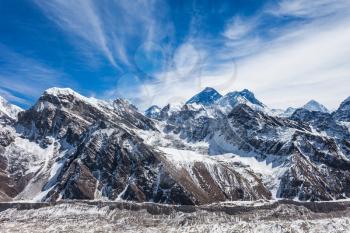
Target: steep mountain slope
x: 206, y: 97
x: 8, y: 112
x: 343, y: 112
x: 310, y: 150
x: 153, y: 112
x: 68, y: 146
x: 85, y: 148
x: 314, y: 106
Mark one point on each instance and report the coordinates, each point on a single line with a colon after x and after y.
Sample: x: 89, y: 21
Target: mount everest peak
x: 313, y: 105
x: 206, y: 97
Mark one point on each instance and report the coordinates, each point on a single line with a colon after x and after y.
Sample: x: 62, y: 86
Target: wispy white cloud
x: 79, y: 18
x: 295, y: 63
x: 112, y: 28
x: 238, y: 28
x: 285, y: 64
x: 309, y: 9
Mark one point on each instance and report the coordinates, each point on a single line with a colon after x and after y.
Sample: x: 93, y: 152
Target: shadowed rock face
x: 112, y: 163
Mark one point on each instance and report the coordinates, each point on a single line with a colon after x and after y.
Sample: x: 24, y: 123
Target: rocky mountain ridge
x: 229, y: 147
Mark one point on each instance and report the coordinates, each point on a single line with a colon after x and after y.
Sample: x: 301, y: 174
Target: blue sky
x: 154, y: 52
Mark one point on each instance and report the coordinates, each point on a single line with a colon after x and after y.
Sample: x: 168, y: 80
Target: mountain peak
x: 315, y: 106
x: 206, y: 97
x: 343, y: 112
x: 9, y: 109
x: 56, y: 91
x: 209, y: 89
x: 66, y: 96
x: 245, y: 95
x: 153, y: 111
x: 251, y: 97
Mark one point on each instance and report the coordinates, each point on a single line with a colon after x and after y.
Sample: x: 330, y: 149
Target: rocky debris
x: 149, y: 217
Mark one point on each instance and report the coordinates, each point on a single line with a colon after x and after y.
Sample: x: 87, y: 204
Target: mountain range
x: 213, y: 148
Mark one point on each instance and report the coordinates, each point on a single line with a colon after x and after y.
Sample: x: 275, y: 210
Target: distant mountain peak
x: 244, y: 96
x: 209, y: 89
x: 315, y: 106
x: 205, y: 97
x: 250, y: 96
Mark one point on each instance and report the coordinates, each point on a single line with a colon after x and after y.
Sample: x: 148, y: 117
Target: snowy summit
x: 315, y: 106
x: 206, y: 97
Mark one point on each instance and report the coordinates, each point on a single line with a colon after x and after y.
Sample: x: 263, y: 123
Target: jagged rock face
x: 313, y: 160
x: 8, y: 110
x: 288, y: 112
x: 189, y: 123
x: 6, y: 191
x: 317, y: 167
x: 66, y: 116
x: 239, y: 97
x: 322, y: 122
x: 343, y: 112
x: 305, y: 180
x: 113, y: 164
x: 20, y: 161
x: 108, y: 161
x: 5, y: 119
x: 153, y: 112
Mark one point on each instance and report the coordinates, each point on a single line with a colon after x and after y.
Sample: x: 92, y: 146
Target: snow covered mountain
x: 231, y: 99
x: 68, y: 146
x: 297, y: 148
x: 8, y: 111
x: 343, y: 112
x: 314, y: 106
x: 206, y: 97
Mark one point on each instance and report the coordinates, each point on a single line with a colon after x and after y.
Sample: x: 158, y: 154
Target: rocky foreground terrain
x: 281, y: 216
